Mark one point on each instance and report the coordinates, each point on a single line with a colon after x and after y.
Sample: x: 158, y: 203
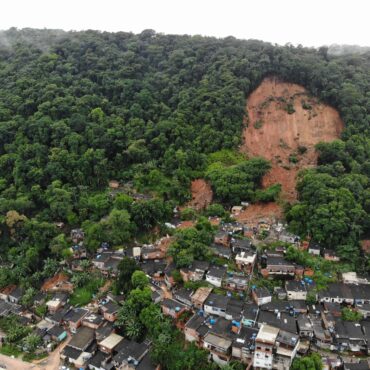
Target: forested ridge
x: 80, y: 108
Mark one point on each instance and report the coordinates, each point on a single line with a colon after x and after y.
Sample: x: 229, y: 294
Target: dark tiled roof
x: 75, y: 315
x: 295, y: 286
x: 172, y: 304
x: 217, y: 271
x: 217, y: 300
x: 285, y: 322
x: 262, y: 292
x: 110, y: 307
x: 195, y: 322
x: 71, y: 352
x: 127, y: 348
x: 56, y: 330
x: 83, y: 337
x: 97, y: 359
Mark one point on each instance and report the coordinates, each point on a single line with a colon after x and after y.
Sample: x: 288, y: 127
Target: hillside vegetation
x: 81, y: 108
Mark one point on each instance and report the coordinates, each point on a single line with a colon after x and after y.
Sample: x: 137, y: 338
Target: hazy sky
x: 309, y: 22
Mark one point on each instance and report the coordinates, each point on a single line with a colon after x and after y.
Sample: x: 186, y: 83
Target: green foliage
x: 350, y: 315
x: 191, y: 243
x: 126, y: 268
x: 88, y: 288
x: 139, y: 279
x: 215, y: 210
x: 237, y: 183
x: 270, y: 194
x: 188, y: 214
x: 310, y: 362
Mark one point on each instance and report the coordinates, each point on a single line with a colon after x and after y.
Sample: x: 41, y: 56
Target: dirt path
x: 53, y: 361
x: 16, y: 364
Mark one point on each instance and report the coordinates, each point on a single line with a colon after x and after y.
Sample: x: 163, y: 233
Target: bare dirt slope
x: 284, y: 138
x: 202, y: 194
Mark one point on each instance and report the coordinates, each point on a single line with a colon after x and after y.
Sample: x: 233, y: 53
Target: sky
x: 309, y: 22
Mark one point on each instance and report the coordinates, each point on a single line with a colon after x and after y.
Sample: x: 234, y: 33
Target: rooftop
x: 217, y: 341
x: 82, y: 338
x: 111, y: 341
x: 267, y: 334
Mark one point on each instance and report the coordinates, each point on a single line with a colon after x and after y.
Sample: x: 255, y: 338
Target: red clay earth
x: 283, y: 138
x: 202, y: 194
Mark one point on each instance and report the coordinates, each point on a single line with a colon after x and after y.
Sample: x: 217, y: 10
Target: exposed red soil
x: 59, y: 282
x: 276, y: 135
x: 185, y: 224
x: 365, y: 245
x: 255, y: 212
x: 202, y: 194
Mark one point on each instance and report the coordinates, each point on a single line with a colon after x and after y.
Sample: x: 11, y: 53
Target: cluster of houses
x: 227, y: 314
x: 94, y: 343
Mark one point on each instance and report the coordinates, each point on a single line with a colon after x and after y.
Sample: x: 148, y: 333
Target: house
x: 364, y: 310
x: 241, y: 245
x: 74, y: 318
x: 337, y: 292
x: 108, y: 344
x: 183, y: 295
x: 281, y: 320
x: 286, y: 237
x: 361, y: 365
x: 235, y: 281
x: 250, y: 313
x: 314, y: 248
x: 110, y: 311
x: 243, y: 345
x: 77, y: 235
x: 261, y: 296
x: 305, y: 328
x: 220, y: 251
x: 98, y: 361
x: 200, y: 296
x: 78, y: 350
x: 93, y: 320
x: 215, y: 275
x: 219, y: 346
x: 286, y: 347
x: 264, y: 345
x: 321, y: 336
x: 278, y: 266
x: 57, y: 333
x: 57, y: 318
x: 353, y: 278
x: 296, y: 290
x: 104, y: 331
x: 130, y: 355
x: 330, y: 255
x: 245, y: 261
x: 154, y: 269
x: 16, y: 295
x: 195, y: 272
x: 223, y: 238
x: 78, y: 251
x: 234, y: 310
x: 57, y: 301
x: 216, y: 304
x: 172, y: 308
x: 233, y: 228
x: 349, y: 337
x: 191, y: 328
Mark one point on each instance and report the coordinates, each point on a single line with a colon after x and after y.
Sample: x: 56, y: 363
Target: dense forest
x: 78, y: 109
